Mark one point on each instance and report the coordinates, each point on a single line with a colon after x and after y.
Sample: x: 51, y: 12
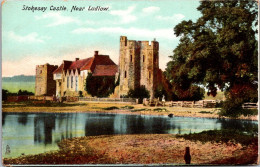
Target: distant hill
x: 19, y: 78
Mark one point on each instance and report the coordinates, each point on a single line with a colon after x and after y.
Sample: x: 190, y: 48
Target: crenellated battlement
x: 138, y: 64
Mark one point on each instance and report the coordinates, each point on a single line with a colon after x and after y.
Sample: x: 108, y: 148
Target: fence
x: 197, y: 104
x: 250, y: 105
x: 131, y: 100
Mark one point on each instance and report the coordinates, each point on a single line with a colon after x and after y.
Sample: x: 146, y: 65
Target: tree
x: 100, y: 86
x: 194, y: 93
x: 219, y: 50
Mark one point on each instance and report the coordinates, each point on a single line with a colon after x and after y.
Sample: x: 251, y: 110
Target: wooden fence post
x: 187, y: 156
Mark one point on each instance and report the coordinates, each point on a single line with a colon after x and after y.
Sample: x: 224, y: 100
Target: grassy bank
x: 142, y: 149
x: 123, y: 108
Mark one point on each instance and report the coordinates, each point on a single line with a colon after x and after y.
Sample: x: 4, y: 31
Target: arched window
x: 125, y: 74
x: 143, y: 58
x: 131, y: 58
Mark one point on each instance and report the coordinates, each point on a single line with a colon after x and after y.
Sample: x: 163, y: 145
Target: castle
x: 69, y: 78
x: 138, y: 65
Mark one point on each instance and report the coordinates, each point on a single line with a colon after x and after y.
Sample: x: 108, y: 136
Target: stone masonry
x: 138, y: 65
x: 44, y: 83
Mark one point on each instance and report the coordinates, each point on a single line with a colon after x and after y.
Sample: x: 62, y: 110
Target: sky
x: 31, y: 38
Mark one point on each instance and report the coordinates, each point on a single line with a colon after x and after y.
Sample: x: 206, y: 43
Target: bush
x: 80, y: 94
x: 234, y: 109
x: 100, y: 86
x: 139, y: 93
x: 111, y: 108
x: 24, y: 92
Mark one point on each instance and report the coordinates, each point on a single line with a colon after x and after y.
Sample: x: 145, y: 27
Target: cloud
x: 58, y: 19
x: 30, y: 38
x: 166, y: 33
x: 150, y: 10
x: 126, y: 16
x: 175, y: 17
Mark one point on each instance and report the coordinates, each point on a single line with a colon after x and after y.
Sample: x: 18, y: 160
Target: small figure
x: 163, y: 98
x: 8, y: 150
x: 187, y: 156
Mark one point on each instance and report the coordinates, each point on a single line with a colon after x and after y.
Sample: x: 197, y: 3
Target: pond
x: 33, y: 133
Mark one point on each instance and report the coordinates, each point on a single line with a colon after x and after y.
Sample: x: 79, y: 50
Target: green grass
x: 14, y: 87
x: 140, y: 109
x: 222, y: 136
x: 110, y: 108
x: 127, y: 107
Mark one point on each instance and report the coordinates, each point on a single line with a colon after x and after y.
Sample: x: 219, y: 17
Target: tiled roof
x: 89, y: 64
x: 80, y: 63
x: 105, y: 70
x: 59, y: 69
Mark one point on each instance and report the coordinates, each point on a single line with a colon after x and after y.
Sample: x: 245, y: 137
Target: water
x: 32, y: 133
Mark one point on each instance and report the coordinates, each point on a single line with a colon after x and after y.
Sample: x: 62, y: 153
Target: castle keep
x: 44, y: 83
x: 138, y: 65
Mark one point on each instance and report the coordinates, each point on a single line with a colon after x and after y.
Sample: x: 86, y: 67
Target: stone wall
x: 138, y: 65
x: 44, y: 83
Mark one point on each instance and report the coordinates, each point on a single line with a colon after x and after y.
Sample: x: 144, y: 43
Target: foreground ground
x: 124, y: 108
x: 141, y: 149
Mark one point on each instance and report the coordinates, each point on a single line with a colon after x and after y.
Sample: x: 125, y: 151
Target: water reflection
x: 44, y: 124
x: 43, y: 130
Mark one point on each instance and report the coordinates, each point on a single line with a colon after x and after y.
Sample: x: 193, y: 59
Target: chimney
x: 96, y: 53
x: 76, y: 59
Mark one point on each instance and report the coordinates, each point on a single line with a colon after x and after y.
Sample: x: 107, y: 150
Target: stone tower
x: 138, y: 65
x: 44, y: 83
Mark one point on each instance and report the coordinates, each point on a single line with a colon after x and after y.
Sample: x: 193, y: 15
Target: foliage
x: 80, y: 94
x: 100, y: 86
x: 219, y: 50
x: 221, y: 136
x: 194, y: 93
x: 139, y: 93
x: 160, y: 92
x: 24, y: 92
x: 4, y: 94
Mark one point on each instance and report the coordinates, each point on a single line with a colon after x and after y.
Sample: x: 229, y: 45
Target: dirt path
x: 141, y: 149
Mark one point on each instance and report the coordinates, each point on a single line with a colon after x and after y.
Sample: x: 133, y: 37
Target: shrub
x: 139, y: 93
x: 100, y: 86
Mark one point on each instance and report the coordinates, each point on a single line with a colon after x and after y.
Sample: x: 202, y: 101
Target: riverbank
x: 121, y: 108
x: 142, y: 149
